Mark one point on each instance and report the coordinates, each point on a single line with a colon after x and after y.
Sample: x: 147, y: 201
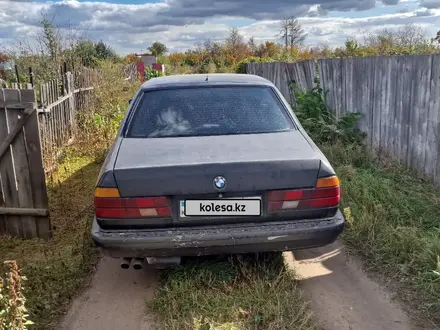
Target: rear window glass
x: 208, y: 111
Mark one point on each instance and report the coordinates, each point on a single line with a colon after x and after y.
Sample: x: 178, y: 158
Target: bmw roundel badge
x: 219, y: 182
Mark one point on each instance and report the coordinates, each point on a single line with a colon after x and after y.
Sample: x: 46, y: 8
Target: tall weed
x: 13, y: 313
x: 322, y: 125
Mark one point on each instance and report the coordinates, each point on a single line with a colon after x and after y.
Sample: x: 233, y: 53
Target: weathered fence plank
x: 21, y: 165
x: 432, y: 158
x: 37, y: 175
x: 21, y: 169
x: 398, y: 97
x: 12, y: 224
x: 284, y: 75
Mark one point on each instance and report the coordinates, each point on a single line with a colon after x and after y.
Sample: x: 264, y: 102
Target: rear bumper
x: 221, y: 239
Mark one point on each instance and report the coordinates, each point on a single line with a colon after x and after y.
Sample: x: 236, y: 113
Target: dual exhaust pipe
x: 136, y: 263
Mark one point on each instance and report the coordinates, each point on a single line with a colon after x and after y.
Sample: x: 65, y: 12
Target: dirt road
x: 116, y: 300
x: 342, y: 296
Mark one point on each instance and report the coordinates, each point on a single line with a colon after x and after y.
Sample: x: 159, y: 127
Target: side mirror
x: 129, y: 101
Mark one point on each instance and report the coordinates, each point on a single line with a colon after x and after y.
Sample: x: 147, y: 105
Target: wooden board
x: 12, y: 224
x: 21, y: 167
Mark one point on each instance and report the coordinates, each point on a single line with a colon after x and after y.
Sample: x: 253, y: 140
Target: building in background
x: 149, y: 60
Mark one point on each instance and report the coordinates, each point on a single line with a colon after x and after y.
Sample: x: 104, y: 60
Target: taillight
x: 326, y: 194
x: 109, y: 204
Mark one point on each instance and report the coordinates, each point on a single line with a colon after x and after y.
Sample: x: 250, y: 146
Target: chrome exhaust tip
x: 125, y: 264
x: 138, y: 263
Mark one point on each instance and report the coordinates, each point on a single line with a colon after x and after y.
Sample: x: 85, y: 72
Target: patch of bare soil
x: 342, y: 296
x: 116, y: 299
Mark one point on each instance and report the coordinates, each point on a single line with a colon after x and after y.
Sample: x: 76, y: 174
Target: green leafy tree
x: 104, y: 52
x: 157, y: 48
x: 85, y: 50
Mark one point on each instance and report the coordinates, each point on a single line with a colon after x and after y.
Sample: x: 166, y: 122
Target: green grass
x: 394, y: 224
x: 57, y: 269
x: 239, y: 293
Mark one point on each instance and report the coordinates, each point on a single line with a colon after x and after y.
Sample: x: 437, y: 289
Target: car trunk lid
x: 186, y: 166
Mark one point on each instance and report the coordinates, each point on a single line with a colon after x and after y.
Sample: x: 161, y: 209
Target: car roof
x: 209, y: 79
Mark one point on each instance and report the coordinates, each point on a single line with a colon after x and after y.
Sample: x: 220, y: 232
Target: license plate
x: 221, y: 207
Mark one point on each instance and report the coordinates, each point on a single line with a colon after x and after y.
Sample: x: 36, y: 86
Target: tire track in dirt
x: 342, y: 296
x: 116, y: 299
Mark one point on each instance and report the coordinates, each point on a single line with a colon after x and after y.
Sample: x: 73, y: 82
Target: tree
x: 252, y: 45
x: 291, y: 32
x: 212, y: 48
x: 104, y: 52
x: 268, y: 49
x: 234, y: 38
x: 157, y: 48
x: 51, y: 39
x: 437, y: 38
x: 85, y: 50
x: 236, y: 45
x: 411, y: 35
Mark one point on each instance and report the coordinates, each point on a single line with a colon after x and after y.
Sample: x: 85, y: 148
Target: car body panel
x: 169, y: 166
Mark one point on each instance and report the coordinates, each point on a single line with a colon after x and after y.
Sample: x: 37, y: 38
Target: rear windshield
x: 208, y: 111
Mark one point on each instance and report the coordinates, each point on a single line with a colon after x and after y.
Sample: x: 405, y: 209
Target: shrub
x: 320, y: 122
x: 150, y: 74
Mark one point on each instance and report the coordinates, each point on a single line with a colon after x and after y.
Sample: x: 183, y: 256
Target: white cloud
x: 181, y: 23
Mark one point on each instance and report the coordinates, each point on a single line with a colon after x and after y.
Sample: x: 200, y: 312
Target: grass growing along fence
x: 393, y: 219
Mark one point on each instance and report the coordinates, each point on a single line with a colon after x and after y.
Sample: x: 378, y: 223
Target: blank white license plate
x: 223, y: 207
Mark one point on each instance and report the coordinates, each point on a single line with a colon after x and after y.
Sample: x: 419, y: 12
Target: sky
x: 130, y: 26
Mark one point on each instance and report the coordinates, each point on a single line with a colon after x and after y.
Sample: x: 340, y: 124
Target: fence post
x: 16, y: 73
x: 31, y: 76
x: 72, y: 106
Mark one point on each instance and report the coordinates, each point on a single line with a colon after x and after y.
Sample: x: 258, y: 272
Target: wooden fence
x: 398, y: 96
x: 36, y: 123
x: 23, y: 196
x: 283, y: 75
x: 59, y: 102
x: 130, y: 71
